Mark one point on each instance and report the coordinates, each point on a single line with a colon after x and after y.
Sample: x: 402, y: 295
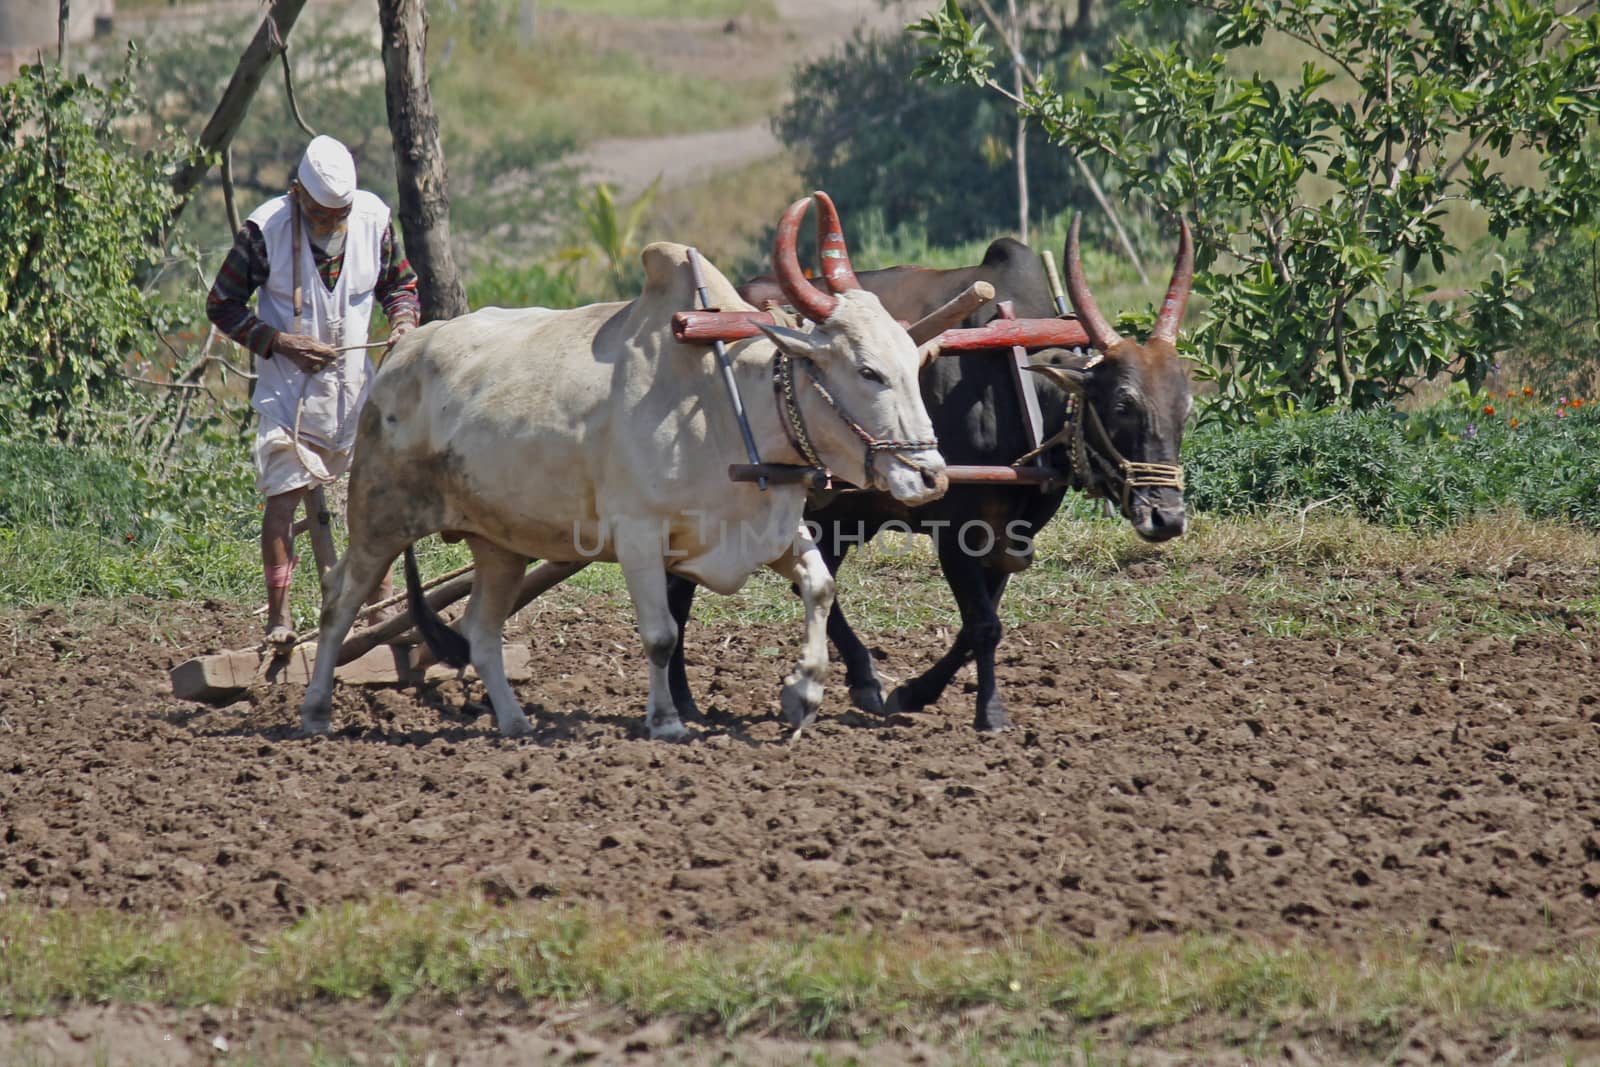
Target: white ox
x: 592, y: 434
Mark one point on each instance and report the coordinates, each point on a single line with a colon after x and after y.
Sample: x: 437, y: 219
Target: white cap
x: 328, y: 172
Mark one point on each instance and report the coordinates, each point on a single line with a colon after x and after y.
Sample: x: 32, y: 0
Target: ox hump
x: 669, y: 282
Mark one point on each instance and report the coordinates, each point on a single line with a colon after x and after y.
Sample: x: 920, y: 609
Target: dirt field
x: 1188, y: 776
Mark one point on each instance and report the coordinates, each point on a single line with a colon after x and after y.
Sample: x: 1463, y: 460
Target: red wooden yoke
x: 707, y: 327
x: 1006, y: 336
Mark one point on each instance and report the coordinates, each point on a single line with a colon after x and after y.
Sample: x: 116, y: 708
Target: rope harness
x: 787, y: 394
x: 1099, y: 468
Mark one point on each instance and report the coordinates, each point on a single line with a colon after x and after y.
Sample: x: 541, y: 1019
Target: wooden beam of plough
x: 223, y: 676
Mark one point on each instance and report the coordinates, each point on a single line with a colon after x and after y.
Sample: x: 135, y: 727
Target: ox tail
x: 446, y: 644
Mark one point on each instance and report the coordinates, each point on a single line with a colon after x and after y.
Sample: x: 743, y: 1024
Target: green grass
x: 1330, y: 576
x: 77, y: 526
x: 837, y: 984
x: 566, y: 87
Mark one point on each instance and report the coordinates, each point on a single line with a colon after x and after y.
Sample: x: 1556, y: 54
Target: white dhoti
x: 281, y: 467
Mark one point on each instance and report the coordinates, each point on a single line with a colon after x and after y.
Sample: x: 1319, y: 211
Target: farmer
x: 317, y: 256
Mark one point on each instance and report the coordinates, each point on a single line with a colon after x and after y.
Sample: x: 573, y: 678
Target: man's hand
x: 396, y: 331
x: 305, y: 352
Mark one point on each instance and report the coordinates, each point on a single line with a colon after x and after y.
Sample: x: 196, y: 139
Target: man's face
x: 321, y: 221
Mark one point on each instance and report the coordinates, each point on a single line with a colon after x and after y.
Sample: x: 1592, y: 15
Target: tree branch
x: 1083, y: 170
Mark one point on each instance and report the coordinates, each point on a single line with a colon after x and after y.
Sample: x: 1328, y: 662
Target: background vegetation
x: 152, y: 492
x: 1321, y: 196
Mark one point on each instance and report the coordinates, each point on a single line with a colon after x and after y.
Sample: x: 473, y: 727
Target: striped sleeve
x: 397, y: 282
x: 228, y: 303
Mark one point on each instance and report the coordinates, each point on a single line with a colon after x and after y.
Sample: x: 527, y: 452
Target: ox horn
x: 1101, y: 335
x: 1178, y: 289
x: 807, y: 298
x: 832, y: 255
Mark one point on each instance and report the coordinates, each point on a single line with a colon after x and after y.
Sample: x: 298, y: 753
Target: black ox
x: 1114, y: 418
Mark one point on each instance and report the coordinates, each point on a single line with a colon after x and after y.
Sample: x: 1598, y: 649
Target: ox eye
x: 871, y: 375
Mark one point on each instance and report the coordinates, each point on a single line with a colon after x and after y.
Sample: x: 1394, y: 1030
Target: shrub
x: 1429, y: 470
x: 78, y: 217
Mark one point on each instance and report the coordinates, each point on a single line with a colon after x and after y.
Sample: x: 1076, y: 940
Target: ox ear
x: 1069, y: 370
x: 797, y: 344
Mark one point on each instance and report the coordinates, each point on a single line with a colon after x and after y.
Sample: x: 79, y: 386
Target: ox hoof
x: 669, y: 731
x: 315, y: 727
x: 900, y: 700
x: 992, y: 718
x: 993, y: 725
x: 800, y: 700
x: 868, y: 697
x: 519, y: 727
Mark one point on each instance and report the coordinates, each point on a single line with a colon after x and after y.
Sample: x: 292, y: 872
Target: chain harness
x: 787, y: 394
x: 1100, y: 469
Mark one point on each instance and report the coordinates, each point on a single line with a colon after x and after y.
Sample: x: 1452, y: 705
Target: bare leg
x: 277, y: 560
x: 802, y: 690
x: 639, y: 552
x: 494, y: 590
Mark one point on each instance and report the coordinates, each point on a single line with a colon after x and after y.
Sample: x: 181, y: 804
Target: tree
x: 424, y: 208
x: 183, y: 77
x: 938, y: 159
x: 79, y: 209
x: 1322, y: 201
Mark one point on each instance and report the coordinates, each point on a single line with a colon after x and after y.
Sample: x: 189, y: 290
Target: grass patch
x: 1317, y: 575
x: 564, y: 87
x: 839, y: 984
x: 84, y: 525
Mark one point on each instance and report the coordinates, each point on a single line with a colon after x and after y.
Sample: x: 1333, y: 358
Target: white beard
x: 331, y: 244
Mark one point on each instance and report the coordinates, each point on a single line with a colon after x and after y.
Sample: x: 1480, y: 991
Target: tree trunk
x: 1022, y: 123
x: 230, y: 112
x: 1081, y: 26
x: 424, y: 207
x: 63, y: 18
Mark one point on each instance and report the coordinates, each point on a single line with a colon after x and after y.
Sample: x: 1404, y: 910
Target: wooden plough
x: 389, y: 653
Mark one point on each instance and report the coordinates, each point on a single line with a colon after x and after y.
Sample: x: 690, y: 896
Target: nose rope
x: 1106, y: 471
x: 787, y: 395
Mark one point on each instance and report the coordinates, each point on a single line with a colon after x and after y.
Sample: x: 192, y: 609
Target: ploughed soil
x: 1193, y: 775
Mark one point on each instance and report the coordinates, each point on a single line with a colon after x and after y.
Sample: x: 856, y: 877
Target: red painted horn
x: 1101, y: 335
x: 1171, y: 316
x: 807, y: 298
x: 832, y: 254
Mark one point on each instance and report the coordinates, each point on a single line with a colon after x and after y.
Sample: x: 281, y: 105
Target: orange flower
x: 1488, y: 409
x: 1577, y: 402
x: 1513, y: 423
